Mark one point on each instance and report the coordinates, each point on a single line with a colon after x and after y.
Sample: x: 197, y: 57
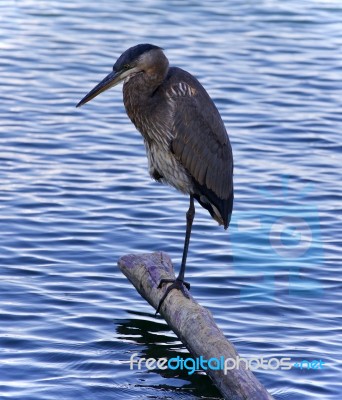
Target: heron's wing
x: 200, y: 141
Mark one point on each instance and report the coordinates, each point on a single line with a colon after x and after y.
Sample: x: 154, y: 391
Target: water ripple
x: 75, y: 196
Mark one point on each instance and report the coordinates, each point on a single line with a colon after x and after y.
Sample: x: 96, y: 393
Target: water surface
x: 75, y: 196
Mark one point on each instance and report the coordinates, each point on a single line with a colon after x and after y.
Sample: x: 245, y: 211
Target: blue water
x: 75, y: 196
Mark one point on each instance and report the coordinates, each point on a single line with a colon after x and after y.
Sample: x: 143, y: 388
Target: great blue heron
x: 186, y: 141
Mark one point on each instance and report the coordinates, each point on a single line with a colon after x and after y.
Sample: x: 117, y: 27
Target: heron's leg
x: 189, y: 219
x: 179, y: 283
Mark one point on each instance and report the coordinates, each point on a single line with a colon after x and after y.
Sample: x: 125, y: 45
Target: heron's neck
x: 139, y: 93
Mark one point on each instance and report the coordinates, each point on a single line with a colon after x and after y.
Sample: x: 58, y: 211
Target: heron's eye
x: 126, y: 67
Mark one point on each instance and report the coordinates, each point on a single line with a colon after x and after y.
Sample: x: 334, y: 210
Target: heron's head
x: 143, y: 58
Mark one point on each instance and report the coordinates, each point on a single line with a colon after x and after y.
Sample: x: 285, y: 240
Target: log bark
x: 193, y: 324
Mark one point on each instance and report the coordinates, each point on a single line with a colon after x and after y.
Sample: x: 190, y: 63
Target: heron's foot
x: 162, y: 281
x: 176, y: 284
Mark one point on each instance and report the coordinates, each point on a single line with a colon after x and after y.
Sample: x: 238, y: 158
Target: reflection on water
x: 75, y: 196
x: 152, y: 339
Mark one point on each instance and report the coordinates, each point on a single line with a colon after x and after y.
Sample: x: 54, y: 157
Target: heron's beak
x: 109, y: 81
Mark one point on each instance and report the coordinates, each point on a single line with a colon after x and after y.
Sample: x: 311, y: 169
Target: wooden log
x: 193, y: 324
